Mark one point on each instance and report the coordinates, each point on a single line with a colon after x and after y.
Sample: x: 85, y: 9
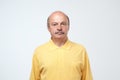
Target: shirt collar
x: 67, y: 45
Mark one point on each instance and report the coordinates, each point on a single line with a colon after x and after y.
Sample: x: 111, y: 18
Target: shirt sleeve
x: 35, y: 73
x: 86, y: 72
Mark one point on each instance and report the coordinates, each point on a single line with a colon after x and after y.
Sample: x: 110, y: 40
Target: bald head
x: 60, y: 13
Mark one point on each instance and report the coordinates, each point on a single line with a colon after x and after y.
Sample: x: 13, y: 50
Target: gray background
x: 94, y: 23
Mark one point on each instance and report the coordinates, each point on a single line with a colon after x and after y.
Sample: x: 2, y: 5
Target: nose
x: 59, y: 28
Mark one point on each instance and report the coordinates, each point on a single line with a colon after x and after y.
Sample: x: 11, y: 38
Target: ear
x: 68, y: 28
x: 48, y: 29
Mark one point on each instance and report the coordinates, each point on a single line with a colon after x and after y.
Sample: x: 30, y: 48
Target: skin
x: 58, y: 26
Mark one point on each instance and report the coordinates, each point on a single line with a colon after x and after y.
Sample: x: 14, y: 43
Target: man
x: 60, y: 58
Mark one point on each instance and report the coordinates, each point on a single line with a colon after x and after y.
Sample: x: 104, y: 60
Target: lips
x: 59, y: 33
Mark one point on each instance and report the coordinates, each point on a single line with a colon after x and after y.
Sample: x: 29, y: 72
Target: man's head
x: 58, y: 25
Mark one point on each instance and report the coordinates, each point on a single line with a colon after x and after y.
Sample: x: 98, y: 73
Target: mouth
x: 59, y: 33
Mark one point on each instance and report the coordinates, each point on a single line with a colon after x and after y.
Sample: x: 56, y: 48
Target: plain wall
x: 94, y: 23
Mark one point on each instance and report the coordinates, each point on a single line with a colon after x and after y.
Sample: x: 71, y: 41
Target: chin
x: 60, y: 37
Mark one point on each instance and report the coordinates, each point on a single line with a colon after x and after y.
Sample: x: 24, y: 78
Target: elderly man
x: 60, y: 58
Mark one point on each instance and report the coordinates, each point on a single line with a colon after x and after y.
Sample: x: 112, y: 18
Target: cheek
x: 65, y: 29
x: 52, y: 30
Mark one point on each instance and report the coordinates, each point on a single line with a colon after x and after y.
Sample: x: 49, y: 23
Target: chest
x: 61, y: 59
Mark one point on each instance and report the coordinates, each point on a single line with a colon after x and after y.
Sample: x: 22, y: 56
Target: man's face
x: 58, y: 26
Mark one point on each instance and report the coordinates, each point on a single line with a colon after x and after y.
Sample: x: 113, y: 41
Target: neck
x: 59, y: 42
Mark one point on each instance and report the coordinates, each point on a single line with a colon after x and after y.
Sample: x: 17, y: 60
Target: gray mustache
x: 59, y: 32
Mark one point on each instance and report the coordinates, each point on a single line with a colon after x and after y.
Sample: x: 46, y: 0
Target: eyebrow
x: 66, y: 17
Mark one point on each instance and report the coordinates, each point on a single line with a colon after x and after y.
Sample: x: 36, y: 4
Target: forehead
x: 58, y: 16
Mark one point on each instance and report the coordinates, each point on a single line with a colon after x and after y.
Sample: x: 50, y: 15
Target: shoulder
x: 44, y: 45
x: 77, y: 45
x: 41, y: 48
x: 78, y: 48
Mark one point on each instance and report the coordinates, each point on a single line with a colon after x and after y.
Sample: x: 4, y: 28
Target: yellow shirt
x: 69, y: 62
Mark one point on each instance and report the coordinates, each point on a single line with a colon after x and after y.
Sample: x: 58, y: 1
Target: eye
x: 54, y: 24
x: 64, y: 23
